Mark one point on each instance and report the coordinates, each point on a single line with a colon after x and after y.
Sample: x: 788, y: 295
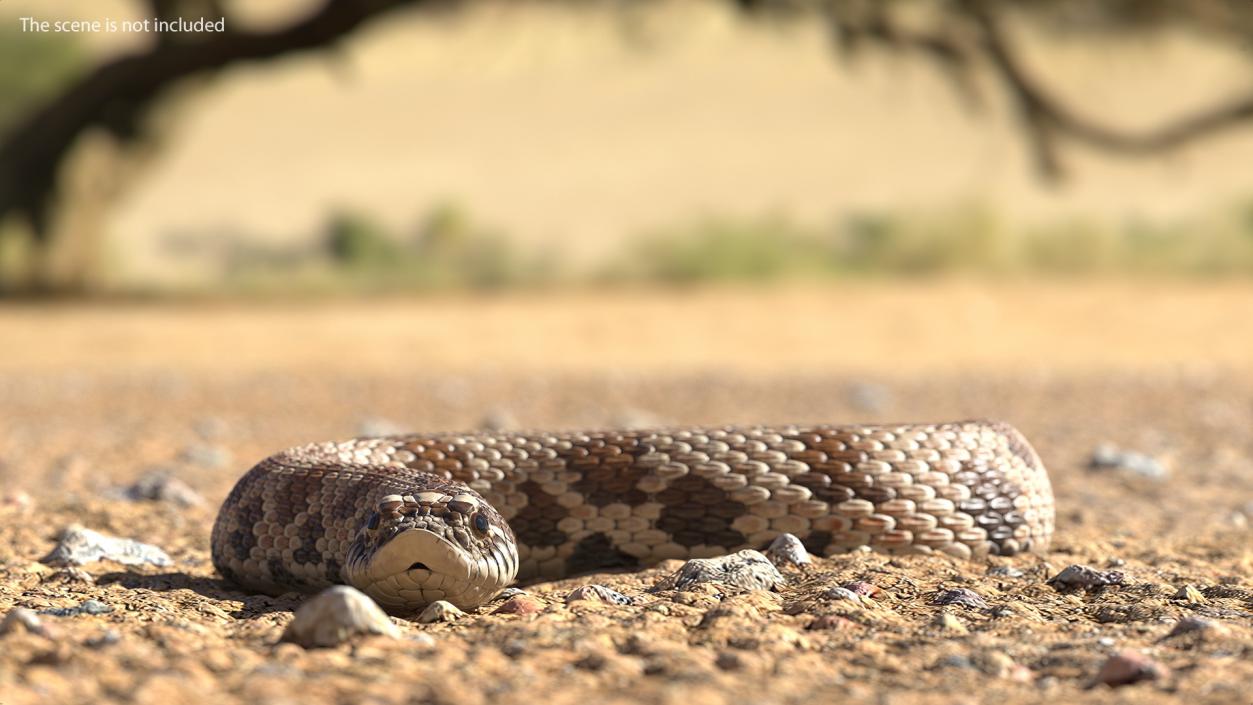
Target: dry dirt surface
x: 1174, y: 523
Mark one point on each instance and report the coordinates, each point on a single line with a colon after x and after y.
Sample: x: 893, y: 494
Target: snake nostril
x: 418, y: 566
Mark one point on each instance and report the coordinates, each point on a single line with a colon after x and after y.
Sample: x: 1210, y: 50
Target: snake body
x: 415, y: 518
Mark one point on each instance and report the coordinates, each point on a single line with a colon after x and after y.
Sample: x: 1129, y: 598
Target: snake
x: 412, y: 519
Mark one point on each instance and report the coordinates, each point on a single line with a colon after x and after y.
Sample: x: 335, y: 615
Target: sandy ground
x: 94, y: 398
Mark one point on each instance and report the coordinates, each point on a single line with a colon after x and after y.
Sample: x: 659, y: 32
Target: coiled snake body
x: 412, y: 519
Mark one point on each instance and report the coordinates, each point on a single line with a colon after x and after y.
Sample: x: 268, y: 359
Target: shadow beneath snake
x: 217, y: 589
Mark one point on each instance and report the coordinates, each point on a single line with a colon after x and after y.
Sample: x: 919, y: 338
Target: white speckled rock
x: 79, y: 546
x: 334, y: 616
x: 786, y: 549
x: 440, y: 611
x: 744, y: 570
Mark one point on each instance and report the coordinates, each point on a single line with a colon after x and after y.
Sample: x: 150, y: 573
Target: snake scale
x: 417, y: 518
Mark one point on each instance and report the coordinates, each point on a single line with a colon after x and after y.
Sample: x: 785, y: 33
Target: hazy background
x: 503, y: 145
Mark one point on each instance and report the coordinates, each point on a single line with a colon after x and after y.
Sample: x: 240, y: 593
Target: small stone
x: 729, y: 661
x: 521, y: 604
x: 160, y: 486
x: 508, y: 593
x: 206, y: 455
x: 374, y: 426
x: 863, y: 588
x: 1005, y: 571
x: 598, y: 593
x: 336, y: 615
x: 17, y: 501
x: 1107, y: 456
x: 421, y: 640
x: 85, y: 607
x: 80, y: 546
x: 998, y: 664
x: 634, y: 419
x: 1127, y: 667
x: 832, y: 622
x: 440, y: 611
x: 787, y: 550
x: 954, y: 661
x: 1196, y: 625
x: 1082, y: 577
x: 961, y: 597
x: 210, y: 427
x: 869, y: 397
x: 20, y: 619
x: 498, y: 419
x: 745, y: 570
x: 842, y: 593
x: 108, y: 638
x: 1191, y: 595
x: 947, y: 622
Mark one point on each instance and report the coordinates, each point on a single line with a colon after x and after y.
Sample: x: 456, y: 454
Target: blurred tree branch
x: 118, y: 95
x: 965, y: 39
x: 969, y: 34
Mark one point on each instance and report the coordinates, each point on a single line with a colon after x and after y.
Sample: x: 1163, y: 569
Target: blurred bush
x: 450, y: 250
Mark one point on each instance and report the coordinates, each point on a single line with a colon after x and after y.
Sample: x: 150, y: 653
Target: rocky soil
x: 1167, y: 505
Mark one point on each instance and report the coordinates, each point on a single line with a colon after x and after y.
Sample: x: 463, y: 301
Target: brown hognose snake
x: 458, y: 517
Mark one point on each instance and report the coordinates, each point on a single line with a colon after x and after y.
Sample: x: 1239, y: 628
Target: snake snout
x: 412, y: 552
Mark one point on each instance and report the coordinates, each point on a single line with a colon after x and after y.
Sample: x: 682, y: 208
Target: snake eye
x: 480, y: 523
x: 373, y: 523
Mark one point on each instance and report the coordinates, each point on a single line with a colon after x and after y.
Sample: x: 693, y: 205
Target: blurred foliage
x: 358, y: 254
x: 450, y: 251
x: 33, y: 67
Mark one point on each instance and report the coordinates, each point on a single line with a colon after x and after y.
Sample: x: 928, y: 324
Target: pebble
x: 161, y: 486
x: 20, y: 619
x: 108, y: 638
x: 206, y: 455
x: 947, y: 622
x: 962, y: 597
x: 520, y: 604
x: 842, y: 593
x: 440, y: 611
x: 508, y: 593
x: 1127, y: 667
x: 831, y: 622
x: 498, y: 419
x: 372, y: 426
x: 18, y: 501
x: 787, y: 550
x: 211, y: 427
x: 85, y: 607
x: 745, y: 570
x: 863, y: 588
x: 729, y: 661
x: 954, y: 661
x: 336, y: 615
x: 1107, y: 456
x: 1005, y: 571
x: 1082, y: 577
x: 79, y: 546
x: 869, y: 397
x: 1196, y: 625
x: 1190, y: 594
x: 598, y: 593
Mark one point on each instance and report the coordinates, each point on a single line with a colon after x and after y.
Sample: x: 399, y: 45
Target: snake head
x: 433, y: 545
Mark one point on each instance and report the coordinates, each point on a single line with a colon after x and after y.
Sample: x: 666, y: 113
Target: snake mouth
x: 417, y: 567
